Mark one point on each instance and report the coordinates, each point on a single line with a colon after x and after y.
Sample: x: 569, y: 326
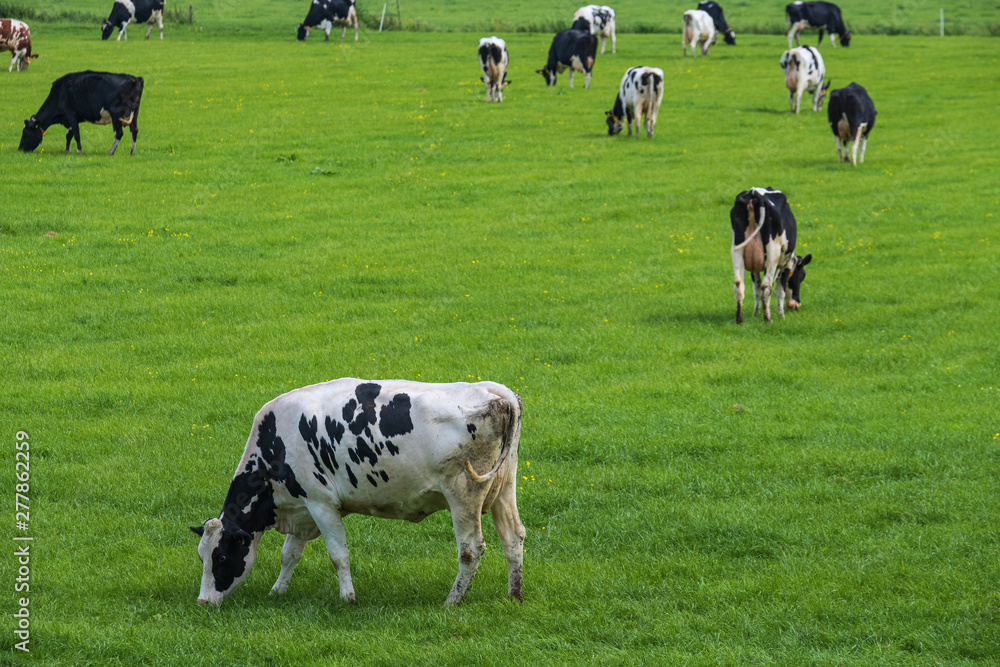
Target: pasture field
x: 820, y: 490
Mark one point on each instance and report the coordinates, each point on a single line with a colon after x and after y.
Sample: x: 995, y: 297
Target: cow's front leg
x: 765, y: 297
x: 119, y: 132
x: 586, y: 81
x: 291, y: 554
x: 471, y: 546
x: 613, y: 45
x: 332, y: 528
x: 780, y: 293
x: 13, y: 61
x: 149, y: 30
x: 571, y: 71
x: 798, y: 99
x: 122, y: 33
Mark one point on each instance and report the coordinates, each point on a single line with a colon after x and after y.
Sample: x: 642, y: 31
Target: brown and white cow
x: 16, y: 38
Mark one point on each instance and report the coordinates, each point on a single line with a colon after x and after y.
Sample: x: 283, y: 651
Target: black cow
x: 764, y: 243
x: 133, y: 11
x: 718, y: 18
x: 92, y: 97
x: 813, y: 16
x: 852, y: 116
x: 324, y: 14
x: 571, y: 49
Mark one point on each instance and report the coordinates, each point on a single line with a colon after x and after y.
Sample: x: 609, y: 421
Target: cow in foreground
x: 640, y: 94
x: 575, y: 50
x: 101, y: 98
x: 324, y: 14
x: 699, y: 28
x: 804, y: 71
x: 764, y: 244
x: 851, y: 113
x: 133, y: 11
x: 393, y: 449
x: 493, y: 60
x: 719, y: 19
x: 598, y: 20
x: 16, y: 38
x: 816, y: 16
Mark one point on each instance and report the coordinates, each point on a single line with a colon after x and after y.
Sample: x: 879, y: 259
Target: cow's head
x: 845, y: 39
x: 730, y: 37
x: 31, y: 135
x: 615, y: 124
x: 25, y: 61
x: 106, y: 29
x: 303, y: 32
x: 550, y: 76
x: 793, y: 279
x: 227, y: 553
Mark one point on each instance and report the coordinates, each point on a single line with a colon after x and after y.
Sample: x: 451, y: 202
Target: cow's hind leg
x: 864, y: 144
x: 331, y: 526
x: 511, y: 532
x: 465, y: 517
x: 758, y: 291
x: 119, y: 133
x: 291, y: 554
x: 738, y: 287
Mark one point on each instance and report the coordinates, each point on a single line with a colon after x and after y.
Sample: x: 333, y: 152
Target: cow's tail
x: 760, y: 223
x: 507, y: 416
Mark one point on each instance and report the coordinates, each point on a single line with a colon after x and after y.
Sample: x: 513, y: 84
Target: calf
x: 804, y: 71
x: 393, y: 449
x: 493, y: 59
x: 16, y: 38
x: 92, y: 97
x: 764, y: 243
x: 572, y: 49
x: 133, y: 11
x: 640, y: 94
x: 852, y: 116
x: 719, y: 19
x: 324, y: 14
x: 813, y: 16
x: 699, y: 28
x: 597, y: 20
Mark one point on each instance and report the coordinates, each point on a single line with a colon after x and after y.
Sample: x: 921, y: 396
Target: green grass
x: 300, y: 212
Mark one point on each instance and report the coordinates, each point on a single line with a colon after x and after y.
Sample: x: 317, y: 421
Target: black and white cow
x: 816, y: 16
x: 804, y: 71
x: 764, y: 244
x: 699, y: 28
x: 493, y: 61
x: 16, y: 38
x: 393, y: 449
x: 133, y: 11
x: 575, y: 50
x: 101, y: 98
x: 639, y: 94
x: 598, y: 20
x: 324, y: 14
x: 851, y: 113
x: 721, y: 27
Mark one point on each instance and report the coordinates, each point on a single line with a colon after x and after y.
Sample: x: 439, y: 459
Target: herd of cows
x: 401, y: 449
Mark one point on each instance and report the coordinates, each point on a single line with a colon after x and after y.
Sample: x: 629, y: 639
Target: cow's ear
x: 244, y: 537
x: 827, y: 86
x: 806, y: 259
x: 198, y: 530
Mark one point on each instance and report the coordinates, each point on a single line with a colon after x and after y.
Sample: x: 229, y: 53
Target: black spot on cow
x: 348, y: 411
x: 371, y: 479
x: 350, y: 476
x: 334, y: 429
x: 394, y: 417
x: 320, y: 478
x: 385, y: 477
x: 272, y: 450
x: 366, y: 452
x: 308, y: 428
x: 472, y: 429
x: 393, y: 449
x: 366, y: 394
x: 249, y: 504
x: 326, y: 452
x: 354, y: 456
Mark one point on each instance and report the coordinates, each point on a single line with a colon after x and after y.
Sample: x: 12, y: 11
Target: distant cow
x: 597, y: 20
x: 493, y: 60
x: 804, y: 71
x: 699, y: 28
x: 764, y: 244
x: 16, y: 38
x: 813, y: 16
x: 571, y: 49
x: 87, y: 97
x: 639, y: 95
x: 851, y: 113
x: 719, y: 19
x: 133, y: 11
x: 324, y: 14
x: 392, y: 449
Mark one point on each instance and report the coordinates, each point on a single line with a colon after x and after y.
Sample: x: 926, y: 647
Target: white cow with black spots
x: 493, y: 61
x: 598, y: 20
x: 804, y: 71
x: 639, y: 94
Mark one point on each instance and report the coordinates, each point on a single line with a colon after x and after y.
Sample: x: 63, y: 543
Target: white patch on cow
x: 699, y: 28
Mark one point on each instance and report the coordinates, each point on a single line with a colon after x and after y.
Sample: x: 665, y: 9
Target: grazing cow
x: 16, y: 38
x: 852, y: 116
x: 324, y: 14
x: 571, y: 49
x: 493, y: 60
x: 764, y: 243
x: 640, y: 94
x: 597, y: 20
x: 393, y: 449
x: 719, y: 19
x: 816, y: 16
x: 804, y: 71
x: 92, y: 97
x: 133, y: 11
x: 698, y: 28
